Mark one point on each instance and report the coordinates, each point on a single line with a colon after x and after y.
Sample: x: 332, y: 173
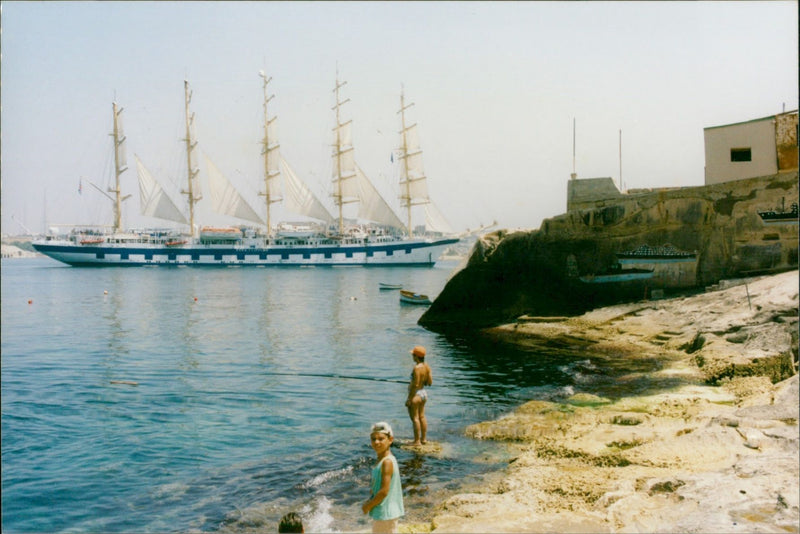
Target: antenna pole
x: 620, y: 160
x: 574, y: 174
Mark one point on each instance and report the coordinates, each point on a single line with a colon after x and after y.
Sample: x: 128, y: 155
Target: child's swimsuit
x: 421, y: 392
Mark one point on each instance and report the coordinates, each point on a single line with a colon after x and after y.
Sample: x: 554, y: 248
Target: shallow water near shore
x: 179, y: 399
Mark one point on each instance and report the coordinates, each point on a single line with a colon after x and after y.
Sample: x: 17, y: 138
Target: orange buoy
x: 195, y: 299
x: 30, y: 301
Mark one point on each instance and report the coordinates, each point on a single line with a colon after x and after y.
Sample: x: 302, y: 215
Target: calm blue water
x: 216, y: 436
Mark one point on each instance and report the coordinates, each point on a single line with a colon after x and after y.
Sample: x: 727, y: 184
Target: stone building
x: 585, y: 193
x: 759, y: 147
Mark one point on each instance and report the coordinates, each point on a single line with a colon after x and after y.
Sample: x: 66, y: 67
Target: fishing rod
x: 332, y: 375
x: 317, y: 375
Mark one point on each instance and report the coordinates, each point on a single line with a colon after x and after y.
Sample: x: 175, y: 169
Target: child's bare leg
x: 423, y: 423
x: 413, y: 413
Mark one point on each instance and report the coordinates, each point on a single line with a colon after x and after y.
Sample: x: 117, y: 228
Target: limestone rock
x: 510, y: 274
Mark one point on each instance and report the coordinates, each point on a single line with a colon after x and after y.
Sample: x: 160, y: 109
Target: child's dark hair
x: 291, y: 522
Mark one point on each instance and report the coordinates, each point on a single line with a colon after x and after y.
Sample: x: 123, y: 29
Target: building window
x: 741, y: 154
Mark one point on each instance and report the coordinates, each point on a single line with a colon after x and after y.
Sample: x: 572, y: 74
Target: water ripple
x: 216, y: 425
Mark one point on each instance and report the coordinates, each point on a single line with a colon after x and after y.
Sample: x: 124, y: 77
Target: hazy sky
x: 496, y: 87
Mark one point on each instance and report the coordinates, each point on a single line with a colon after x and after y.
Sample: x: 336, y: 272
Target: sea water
x: 218, y: 399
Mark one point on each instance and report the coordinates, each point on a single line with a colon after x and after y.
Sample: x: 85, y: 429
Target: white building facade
x: 759, y: 147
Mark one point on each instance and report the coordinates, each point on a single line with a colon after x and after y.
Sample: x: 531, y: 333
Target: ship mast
x: 270, y: 166
x: 339, y: 152
x: 406, y: 197
x: 120, y: 166
x: 193, y: 196
x: 413, y: 182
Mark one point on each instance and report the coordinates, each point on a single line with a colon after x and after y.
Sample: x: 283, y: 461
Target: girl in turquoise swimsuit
x: 421, y: 376
x: 385, y: 505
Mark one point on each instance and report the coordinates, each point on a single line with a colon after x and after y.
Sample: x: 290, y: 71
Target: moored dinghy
x: 384, y: 285
x: 410, y: 297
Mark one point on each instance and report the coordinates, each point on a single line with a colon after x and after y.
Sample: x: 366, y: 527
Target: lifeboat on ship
x: 223, y: 235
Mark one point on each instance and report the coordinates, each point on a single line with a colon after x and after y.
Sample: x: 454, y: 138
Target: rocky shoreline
x: 715, y: 229
x: 710, y: 446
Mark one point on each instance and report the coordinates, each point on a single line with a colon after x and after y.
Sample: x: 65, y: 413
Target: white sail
x: 435, y: 221
x: 273, y: 170
x: 412, y: 139
x: 413, y: 156
x: 225, y: 199
x: 194, y: 167
x: 344, y: 178
x: 299, y: 198
x: 272, y: 132
x: 343, y: 168
x: 153, y: 200
x: 372, y: 206
x: 122, y: 152
x: 344, y: 164
x: 344, y: 134
x: 416, y: 192
x: 413, y: 182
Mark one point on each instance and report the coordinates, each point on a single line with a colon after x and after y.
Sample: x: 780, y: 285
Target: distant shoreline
x: 13, y: 251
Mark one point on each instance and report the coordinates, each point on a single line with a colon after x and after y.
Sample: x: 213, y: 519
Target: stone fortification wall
x: 538, y: 272
x: 584, y: 193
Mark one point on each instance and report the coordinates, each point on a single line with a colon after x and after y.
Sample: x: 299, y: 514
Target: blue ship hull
x: 400, y: 252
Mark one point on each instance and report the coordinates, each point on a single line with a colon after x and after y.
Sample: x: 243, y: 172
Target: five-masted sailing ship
x: 383, y: 240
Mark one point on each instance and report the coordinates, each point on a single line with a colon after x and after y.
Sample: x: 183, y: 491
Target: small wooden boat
x: 410, y: 297
x: 383, y: 285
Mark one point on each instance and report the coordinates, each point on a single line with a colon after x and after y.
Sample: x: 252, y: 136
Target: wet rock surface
x: 716, y: 451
